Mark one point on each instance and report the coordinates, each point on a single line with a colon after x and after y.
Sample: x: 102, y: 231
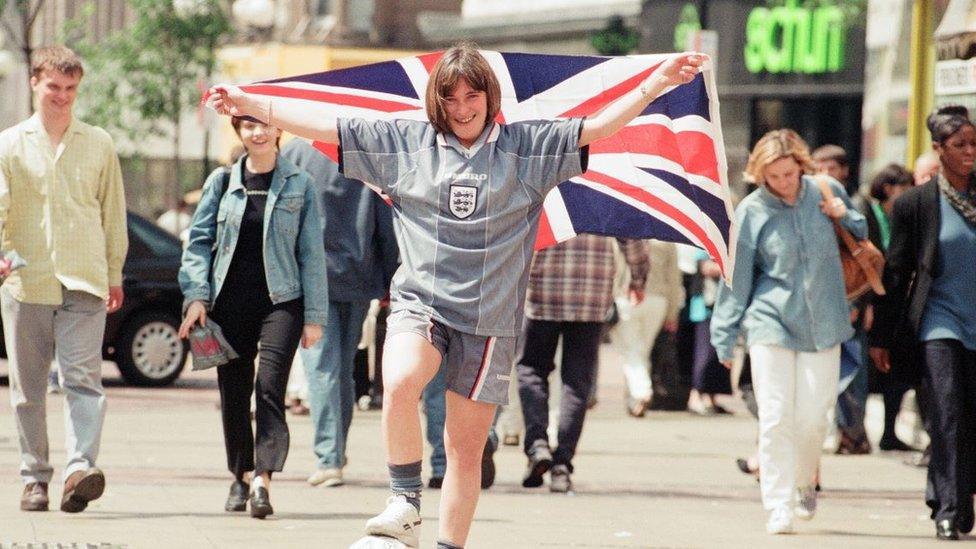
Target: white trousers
x: 794, y: 391
x: 633, y: 337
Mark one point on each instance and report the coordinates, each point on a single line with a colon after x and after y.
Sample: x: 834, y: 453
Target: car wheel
x: 150, y: 351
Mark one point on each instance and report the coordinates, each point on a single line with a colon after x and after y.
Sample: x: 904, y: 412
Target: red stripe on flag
x: 430, y: 59
x: 694, y: 151
x: 608, y: 95
x: 346, y: 99
x: 544, y: 237
x: 666, y: 209
x: 328, y: 149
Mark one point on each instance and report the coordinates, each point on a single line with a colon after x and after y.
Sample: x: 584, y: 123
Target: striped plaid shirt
x: 573, y: 281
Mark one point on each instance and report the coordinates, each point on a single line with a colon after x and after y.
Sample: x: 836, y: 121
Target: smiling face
x: 55, y: 92
x: 958, y: 151
x: 782, y: 177
x: 467, y: 111
x: 258, y: 139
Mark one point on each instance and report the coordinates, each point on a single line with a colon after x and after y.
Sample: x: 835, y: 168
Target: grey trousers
x: 72, y: 332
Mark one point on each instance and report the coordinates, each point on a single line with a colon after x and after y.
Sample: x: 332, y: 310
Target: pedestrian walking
x: 467, y: 193
x: 637, y: 326
x: 708, y: 376
x: 925, y: 326
x: 255, y: 264
x: 361, y: 255
x: 62, y: 208
x: 788, y: 297
x: 852, y: 390
x: 570, y: 292
x: 886, y: 186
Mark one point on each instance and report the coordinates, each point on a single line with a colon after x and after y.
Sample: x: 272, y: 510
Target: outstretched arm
x: 679, y: 69
x: 306, y: 119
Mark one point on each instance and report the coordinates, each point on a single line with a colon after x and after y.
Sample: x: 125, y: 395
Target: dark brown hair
x: 236, y: 122
x: 460, y: 61
x: 892, y: 174
x: 56, y: 58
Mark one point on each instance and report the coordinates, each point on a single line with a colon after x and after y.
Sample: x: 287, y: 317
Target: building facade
x: 778, y: 65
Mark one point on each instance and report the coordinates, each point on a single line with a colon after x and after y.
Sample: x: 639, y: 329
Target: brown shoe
x: 82, y: 487
x: 34, y: 497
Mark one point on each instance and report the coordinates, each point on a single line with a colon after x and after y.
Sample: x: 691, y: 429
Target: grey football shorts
x: 476, y: 367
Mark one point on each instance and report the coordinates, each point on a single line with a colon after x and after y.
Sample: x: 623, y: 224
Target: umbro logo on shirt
x: 467, y: 176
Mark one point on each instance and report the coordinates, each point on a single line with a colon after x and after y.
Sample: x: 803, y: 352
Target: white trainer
x: 806, y: 503
x: 326, y: 477
x: 780, y: 521
x: 399, y: 520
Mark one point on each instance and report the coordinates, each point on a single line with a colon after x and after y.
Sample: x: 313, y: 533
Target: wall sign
x: 794, y: 39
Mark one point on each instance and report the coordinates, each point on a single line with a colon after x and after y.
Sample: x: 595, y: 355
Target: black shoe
x: 539, y: 464
x: 488, y: 466
x: 260, y: 503
x: 894, y: 444
x: 559, y: 480
x: 237, y: 497
x: 435, y: 483
x: 946, y: 529
x: 965, y: 523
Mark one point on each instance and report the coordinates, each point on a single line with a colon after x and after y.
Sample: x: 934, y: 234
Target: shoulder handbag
x: 861, y: 261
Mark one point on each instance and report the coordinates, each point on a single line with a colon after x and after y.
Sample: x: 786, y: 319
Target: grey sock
x: 405, y: 479
x: 441, y: 544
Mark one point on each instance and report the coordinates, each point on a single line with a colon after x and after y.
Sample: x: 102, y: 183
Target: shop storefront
x: 779, y: 64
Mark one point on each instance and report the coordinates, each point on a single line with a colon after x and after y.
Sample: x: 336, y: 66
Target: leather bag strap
x: 852, y: 245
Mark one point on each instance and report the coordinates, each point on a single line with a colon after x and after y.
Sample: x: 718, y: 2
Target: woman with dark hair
x: 255, y: 263
x: 467, y: 194
x: 927, y: 320
x: 886, y: 186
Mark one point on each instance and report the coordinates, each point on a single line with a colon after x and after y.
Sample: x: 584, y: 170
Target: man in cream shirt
x: 62, y: 208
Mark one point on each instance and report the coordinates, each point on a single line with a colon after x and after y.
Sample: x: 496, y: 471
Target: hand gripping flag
x: 663, y: 176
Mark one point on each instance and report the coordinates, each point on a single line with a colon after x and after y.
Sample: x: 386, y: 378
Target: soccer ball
x: 378, y: 542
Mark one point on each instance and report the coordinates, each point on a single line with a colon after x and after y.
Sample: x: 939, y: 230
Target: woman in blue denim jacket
x: 255, y: 262
x: 788, y: 298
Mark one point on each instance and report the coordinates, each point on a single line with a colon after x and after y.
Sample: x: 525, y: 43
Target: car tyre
x: 150, y: 352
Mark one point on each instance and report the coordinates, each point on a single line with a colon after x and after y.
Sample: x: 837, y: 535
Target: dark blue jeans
x: 950, y: 373
x: 852, y: 391
x: 536, y: 360
x: 331, y: 387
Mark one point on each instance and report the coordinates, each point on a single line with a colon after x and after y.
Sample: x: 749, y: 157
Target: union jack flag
x: 663, y: 176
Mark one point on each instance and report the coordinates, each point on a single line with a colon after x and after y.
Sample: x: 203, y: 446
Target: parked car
x: 142, y: 337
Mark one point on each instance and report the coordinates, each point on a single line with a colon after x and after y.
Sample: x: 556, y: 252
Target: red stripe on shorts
x: 482, y: 369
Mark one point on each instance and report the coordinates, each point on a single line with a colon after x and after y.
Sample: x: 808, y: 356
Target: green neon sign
x: 793, y: 39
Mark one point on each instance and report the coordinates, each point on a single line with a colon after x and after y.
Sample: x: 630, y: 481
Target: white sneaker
x: 326, y: 477
x: 780, y: 521
x: 399, y: 520
x: 807, y: 503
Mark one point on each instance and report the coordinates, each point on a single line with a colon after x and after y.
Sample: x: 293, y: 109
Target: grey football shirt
x: 465, y: 219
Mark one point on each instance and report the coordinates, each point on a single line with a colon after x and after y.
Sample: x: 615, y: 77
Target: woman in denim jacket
x: 255, y: 262
x: 788, y: 297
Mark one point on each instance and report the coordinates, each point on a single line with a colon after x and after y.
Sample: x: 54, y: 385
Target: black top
x: 911, y: 266
x: 245, y: 275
